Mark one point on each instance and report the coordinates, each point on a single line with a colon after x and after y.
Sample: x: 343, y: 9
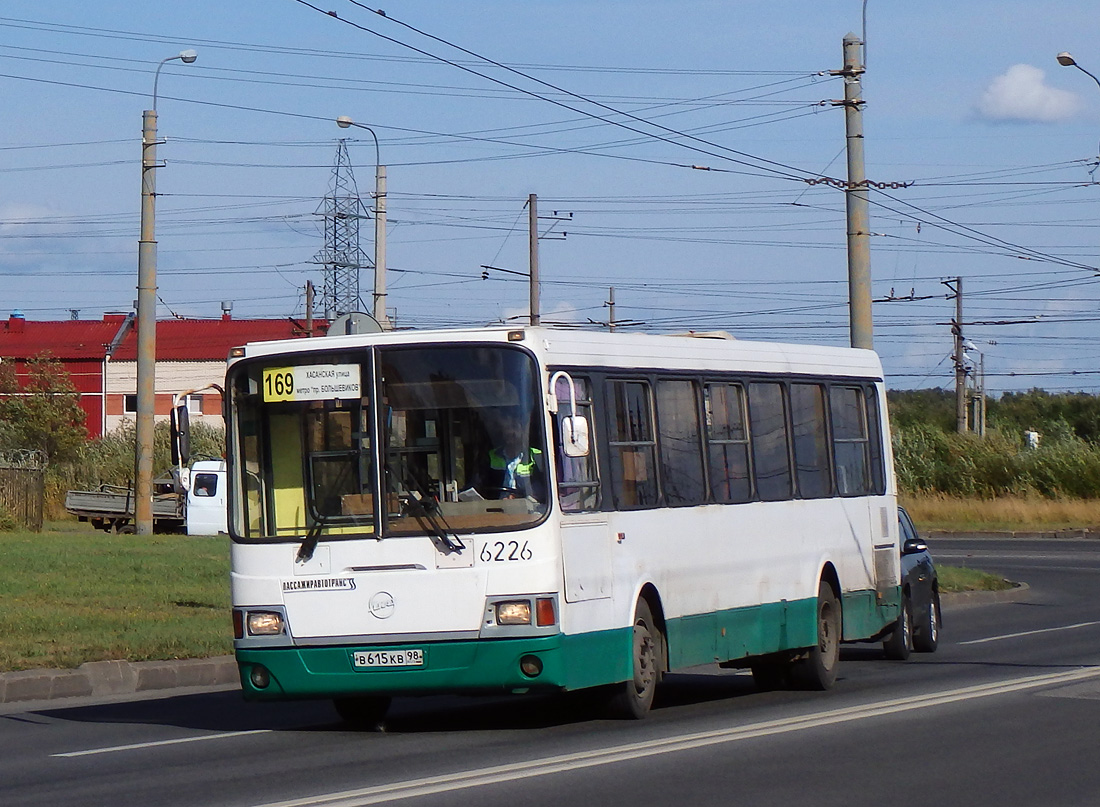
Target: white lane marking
x: 156, y: 744
x: 395, y: 791
x: 1029, y: 633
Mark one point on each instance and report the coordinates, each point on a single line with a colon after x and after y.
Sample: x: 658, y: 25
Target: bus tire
x: 817, y: 669
x: 363, y: 711
x: 899, y: 643
x: 632, y: 699
x: 926, y: 634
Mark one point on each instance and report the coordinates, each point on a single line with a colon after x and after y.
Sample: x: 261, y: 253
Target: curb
x: 102, y: 678
x: 1028, y: 534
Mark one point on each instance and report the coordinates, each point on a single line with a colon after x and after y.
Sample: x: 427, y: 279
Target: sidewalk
x: 102, y: 678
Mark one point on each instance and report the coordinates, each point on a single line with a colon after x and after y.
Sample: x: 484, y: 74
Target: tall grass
x: 930, y: 461
x: 939, y: 511
x: 110, y: 460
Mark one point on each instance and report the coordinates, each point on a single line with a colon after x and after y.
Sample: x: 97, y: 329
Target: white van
x: 206, y: 500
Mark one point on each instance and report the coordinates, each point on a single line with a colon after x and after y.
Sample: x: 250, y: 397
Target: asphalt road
x: 1007, y: 712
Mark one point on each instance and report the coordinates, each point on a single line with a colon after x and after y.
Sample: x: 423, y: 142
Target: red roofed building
x: 101, y: 359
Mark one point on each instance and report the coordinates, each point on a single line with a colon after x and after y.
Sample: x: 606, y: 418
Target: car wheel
x: 632, y: 699
x: 899, y: 643
x: 818, y: 669
x: 926, y: 634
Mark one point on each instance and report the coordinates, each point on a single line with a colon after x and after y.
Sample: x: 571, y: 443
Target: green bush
x: 929, y: 460
x: 110, y: 460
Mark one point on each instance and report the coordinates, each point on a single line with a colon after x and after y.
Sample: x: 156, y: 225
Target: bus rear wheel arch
x: 814, y: 668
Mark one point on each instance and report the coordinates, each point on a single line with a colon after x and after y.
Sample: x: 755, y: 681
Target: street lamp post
x: 379, y: 308
x: 147, y: 312
x: 1066, y: 60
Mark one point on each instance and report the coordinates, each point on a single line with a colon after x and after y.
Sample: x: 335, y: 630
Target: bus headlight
x: 264, y: 623
x: 514, y: 612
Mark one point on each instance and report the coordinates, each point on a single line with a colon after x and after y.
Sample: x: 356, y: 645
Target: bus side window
x: 850, y: 441
x: 811, y: 443
x: 680, y: 450
x: 878, y: 461
x: 770, y: 442
x: 578, y: 481
x: 633, y: 447
x: 727, y: 442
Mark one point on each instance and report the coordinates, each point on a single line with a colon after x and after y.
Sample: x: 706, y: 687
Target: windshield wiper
x: 426, y: 510
x: 309, y: 543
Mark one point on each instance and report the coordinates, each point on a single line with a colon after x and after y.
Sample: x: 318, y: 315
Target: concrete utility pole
x: 611, y: 308
x: 859, y: 225
x: 309, y: 308
x: 961, y: 425
x: 533, y: 248
x: 147, y: 313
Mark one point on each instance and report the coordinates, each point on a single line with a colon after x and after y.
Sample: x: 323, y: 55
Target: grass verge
x: 958, y: 578
x: 73, y: 595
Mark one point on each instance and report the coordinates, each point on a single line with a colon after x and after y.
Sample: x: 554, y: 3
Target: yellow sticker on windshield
x: 278, y: 384
x: 311, y: 382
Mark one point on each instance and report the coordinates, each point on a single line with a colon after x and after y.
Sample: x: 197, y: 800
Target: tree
x: 44, y: 413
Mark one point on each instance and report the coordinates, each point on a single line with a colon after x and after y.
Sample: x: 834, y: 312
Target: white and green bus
x: 540, y: 510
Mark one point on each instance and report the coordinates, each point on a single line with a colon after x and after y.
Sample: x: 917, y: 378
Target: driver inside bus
x: 512, y: 468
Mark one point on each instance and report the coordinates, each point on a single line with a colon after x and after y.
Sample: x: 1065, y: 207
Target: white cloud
x: 1021, y: 94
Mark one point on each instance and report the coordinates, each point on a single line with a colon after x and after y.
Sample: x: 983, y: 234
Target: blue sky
x: 612, y: 105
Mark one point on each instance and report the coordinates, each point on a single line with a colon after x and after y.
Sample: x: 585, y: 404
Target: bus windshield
x: 462, y: 433
x: 457, y: 432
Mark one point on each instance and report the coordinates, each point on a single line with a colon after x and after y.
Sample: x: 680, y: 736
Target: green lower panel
x: 866, y: 614
x: 488, y: 665
x: 761, y: 629
x: 569, y: 662
x: 741, y: 632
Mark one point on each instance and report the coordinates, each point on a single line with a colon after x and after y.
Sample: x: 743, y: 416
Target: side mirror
x: 180, y: 435
x: 574, y: 436
x: 913, y: 545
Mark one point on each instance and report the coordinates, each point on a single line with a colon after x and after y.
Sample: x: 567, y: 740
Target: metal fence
x: 23, y: 487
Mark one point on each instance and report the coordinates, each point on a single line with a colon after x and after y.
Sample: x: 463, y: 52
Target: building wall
x: 172, y: 378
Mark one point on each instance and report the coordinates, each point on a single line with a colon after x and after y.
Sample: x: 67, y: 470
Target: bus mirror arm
x: 574, y: 428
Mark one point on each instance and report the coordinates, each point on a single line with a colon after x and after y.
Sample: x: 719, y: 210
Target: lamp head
x: 1065, y: 59
x: 344, y: 122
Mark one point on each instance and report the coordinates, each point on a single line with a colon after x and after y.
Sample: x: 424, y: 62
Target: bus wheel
x: 818, y: 669
x: 900, y: 642
x: 363, y: 712
x: 631, y: 699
